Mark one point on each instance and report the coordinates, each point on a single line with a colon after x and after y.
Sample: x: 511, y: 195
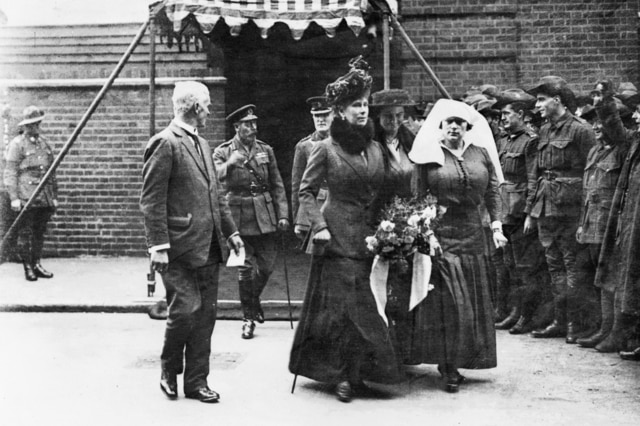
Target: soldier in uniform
x: 523, y: 258
x: 322, y: 117
x: 601, y: 174
x: 248, y: 170
x: 554, y: 194
x: 28, y: 159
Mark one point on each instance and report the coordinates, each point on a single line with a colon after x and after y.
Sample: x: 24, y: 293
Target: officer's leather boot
x: 40, y: 271
x: 29, y: 273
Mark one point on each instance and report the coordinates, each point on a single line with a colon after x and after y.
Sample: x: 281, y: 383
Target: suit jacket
x: 181, y: 199
x: 354, y: 199
x: 256, y: 208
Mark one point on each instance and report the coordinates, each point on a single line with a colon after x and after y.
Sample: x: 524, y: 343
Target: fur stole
x: 352, y: 139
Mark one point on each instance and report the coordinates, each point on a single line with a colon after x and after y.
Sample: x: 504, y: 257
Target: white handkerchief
x: 236, y: 259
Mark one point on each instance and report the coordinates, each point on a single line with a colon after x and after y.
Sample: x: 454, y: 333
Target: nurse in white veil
x: 457, y: 161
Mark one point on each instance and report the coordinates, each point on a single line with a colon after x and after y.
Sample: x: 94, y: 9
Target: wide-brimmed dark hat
x: 489, y: 90
x: 480, y: 102
x: 245, y: 113
x: 552, y: 85
x: 31, y: 114
x: 628, y: 94
x: 511, y: 96
x: 391, y: 97
x: 319, y: 105
x: 351, y: 86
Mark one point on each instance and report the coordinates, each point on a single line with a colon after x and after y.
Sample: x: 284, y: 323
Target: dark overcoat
x: 618, y: 266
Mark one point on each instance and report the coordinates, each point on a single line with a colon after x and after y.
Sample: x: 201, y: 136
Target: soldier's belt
x: 249, y: 192
x: 554, y: 174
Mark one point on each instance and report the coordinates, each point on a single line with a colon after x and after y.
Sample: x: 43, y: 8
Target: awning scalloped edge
x: 298, y: 22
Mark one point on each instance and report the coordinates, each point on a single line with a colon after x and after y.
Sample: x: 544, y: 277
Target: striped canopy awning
x: 296, y: 14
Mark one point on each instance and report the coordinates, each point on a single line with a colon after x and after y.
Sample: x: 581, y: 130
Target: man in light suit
x: 187, y: 224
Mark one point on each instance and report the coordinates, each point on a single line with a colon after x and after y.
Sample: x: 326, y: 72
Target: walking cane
x: 286, y: 280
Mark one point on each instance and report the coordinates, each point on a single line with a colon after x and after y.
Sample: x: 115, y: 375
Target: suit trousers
x: 192, y: 296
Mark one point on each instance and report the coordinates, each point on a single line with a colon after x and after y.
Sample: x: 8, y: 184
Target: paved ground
x: 103, y: 369
x: 119, y: 284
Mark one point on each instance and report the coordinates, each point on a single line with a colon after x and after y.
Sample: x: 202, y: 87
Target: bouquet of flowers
x: 406, y: 226
x: 406, y: 229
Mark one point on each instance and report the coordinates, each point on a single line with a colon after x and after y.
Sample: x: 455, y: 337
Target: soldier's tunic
x: 257, y: 201
x: 555, y: 195
x: 524, y: 266
x: 28, y: 159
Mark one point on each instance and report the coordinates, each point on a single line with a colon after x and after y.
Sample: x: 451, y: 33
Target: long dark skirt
x: 340, y: 335
x: 454, y: 324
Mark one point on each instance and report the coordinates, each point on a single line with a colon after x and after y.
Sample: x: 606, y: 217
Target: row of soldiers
x: 569, y: 212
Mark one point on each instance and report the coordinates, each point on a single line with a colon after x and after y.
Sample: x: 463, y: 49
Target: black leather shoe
x: 248, y: 326
x: 509, y: 321
x: 204, y: 394
x: 457, y: 377
x: 29, y: 273
x: 344, y: 391
x: 633, y: 355
x: 452, y: 385
x: 555, y: 329
x: 260, y: 314
x: 169, y: 385
x: 572, y: 333
x: 593, y: 340
x: 41, y: 272
x: 522, y: 326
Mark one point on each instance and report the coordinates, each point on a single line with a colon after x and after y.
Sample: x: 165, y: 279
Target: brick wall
x: 512, y: 43
x: 100, y: 178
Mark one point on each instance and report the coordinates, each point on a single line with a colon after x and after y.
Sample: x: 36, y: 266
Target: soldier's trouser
x: 558, y: 237
x: 192, y: 295
x: 524, y: 259
x: 31, y: 234
x: 261, y: 252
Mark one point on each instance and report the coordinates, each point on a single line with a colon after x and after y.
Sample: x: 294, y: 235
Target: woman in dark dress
x: 341, y: 338
x: 388, y: 108
x: 454, y: 325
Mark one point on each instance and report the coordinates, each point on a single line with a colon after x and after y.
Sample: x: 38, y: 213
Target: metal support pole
x: 386, y: 51
x: 152, y: 74
x: 76, y: 132
x: 417, y: 54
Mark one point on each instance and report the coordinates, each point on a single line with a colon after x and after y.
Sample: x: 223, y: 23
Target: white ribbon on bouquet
x: 419, y: 282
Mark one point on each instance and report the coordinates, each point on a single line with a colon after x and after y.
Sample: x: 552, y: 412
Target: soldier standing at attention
x: 554, y: 195
x: 28, y: 159
x: 248, y: 171
x: 322, y: 118
x: 523, y: 258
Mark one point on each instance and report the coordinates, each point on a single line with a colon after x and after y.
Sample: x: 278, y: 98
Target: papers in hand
x: 236, y: 259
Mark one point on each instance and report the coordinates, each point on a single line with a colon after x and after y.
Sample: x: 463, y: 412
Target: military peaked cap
x: 245, y: 113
